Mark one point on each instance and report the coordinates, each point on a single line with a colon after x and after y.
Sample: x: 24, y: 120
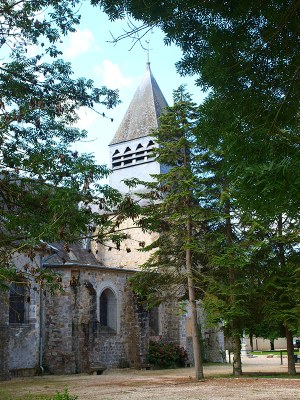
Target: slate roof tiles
x: 143, y: 112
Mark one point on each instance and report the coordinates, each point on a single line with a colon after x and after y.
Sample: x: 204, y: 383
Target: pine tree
x: 172, y: 212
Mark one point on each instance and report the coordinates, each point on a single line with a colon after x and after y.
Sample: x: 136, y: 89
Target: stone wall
x: 129, y: 255
x: 75, y: 340
x: 135, y: 330
x: 212, y: 338
x: 169, y: 322
x: 19, y: 342
x: 58, y: 355
x: 24, y: 340
x: 4, y: 336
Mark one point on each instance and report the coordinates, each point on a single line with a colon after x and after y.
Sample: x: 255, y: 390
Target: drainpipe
x: 42, y: 265
x: 41, y: 327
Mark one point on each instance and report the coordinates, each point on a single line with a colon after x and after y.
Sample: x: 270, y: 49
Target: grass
x: 9, y: 396
x: 272, y: 352
x: 64, y: 395
x: 255, y: 375
x: 34, y: 389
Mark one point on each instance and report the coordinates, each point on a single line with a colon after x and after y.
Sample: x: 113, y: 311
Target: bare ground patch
x: 165, y: 384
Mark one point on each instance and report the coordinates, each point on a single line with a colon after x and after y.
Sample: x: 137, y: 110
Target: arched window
x: 139, y: 146
x: 127, y: 149
x: 116, y: 152
x: 151, y: 143
x: 108, y: 309
x: 17, y: 301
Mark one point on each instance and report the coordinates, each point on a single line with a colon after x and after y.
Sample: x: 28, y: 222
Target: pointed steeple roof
x: 143, y: 112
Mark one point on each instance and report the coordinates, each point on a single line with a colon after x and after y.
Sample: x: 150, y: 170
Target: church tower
x: 131, y: 156
x: 131, y: 148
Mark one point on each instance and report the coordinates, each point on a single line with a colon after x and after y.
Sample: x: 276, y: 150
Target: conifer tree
x: 192, y: 208
x: 172, y: 212
x: 245, y: 55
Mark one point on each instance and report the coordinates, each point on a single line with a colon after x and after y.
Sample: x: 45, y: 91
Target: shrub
x: 65, y: 395
x: 166, y: 355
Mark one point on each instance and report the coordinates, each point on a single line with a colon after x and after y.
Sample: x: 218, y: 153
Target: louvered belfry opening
x: 138, y: 156
x: 132, y: 145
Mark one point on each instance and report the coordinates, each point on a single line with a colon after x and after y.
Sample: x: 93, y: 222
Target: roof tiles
x: 143, y: 112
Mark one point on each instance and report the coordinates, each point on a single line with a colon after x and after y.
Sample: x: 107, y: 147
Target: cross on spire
x: 148, y: 51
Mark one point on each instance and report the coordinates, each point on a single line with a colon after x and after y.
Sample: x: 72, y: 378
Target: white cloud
x: 111, y: 75
x: 87, y: 118
x: 81, y: 41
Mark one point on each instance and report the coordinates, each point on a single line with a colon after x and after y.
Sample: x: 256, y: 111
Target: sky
x: 117, y: 66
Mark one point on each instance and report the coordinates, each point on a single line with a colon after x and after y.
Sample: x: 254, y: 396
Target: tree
x: 228, y: 281
x: 247, y: 249
x: 172, y: 211
x: 48, y: 192
x: 282, y: 286
x: 246, y: 56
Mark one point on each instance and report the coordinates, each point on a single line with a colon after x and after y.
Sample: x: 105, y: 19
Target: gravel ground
x: 176, y: 384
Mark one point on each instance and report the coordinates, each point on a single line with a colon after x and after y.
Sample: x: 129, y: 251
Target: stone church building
x: 97, y: 322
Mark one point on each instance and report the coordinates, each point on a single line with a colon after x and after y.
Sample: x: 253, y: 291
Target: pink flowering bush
x: 166, y: 355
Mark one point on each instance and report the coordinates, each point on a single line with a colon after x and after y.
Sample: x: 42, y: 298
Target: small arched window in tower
x: 127, y: 149
x: 108, y: 309
x: 151, y: 143
x: 116, y: 153
x: 17, y: 303
x: 139, y: 146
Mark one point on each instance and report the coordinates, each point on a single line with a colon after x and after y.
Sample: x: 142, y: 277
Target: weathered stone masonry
x: 76, y: 341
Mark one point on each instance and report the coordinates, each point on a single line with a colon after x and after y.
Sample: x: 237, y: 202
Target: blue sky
x: 116, y: 66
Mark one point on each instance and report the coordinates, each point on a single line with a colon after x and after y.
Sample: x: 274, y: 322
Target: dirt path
x: 176, y: 384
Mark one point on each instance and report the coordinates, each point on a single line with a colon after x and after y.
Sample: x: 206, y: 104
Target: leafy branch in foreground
x: 48, y: 191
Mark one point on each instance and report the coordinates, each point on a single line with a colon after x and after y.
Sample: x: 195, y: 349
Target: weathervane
x: 148, y: 51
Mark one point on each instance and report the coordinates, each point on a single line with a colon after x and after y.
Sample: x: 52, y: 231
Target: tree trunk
x: 191, y: 286
x: 272, y: 347
x: 251, y: 342
x: 192, y: 302
x: 288, y: 333
x: 281, y: 252
x: 237, y: 362
x: 290, y: 352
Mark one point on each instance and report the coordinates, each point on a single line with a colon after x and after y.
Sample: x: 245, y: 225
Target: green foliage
x: 166, y: 355
x: 171, y: 203
x: 65, y: 395
x: 153, y: 287
x: 48, y: 191
x: 23, y: 21
x: 171, y: 209
x: 246, y: 56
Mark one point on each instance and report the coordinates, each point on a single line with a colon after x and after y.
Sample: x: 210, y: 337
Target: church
x: 97, y: 322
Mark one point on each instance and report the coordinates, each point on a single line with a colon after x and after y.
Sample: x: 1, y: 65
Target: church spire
x: 144, y: 110
x: 131, y: 149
